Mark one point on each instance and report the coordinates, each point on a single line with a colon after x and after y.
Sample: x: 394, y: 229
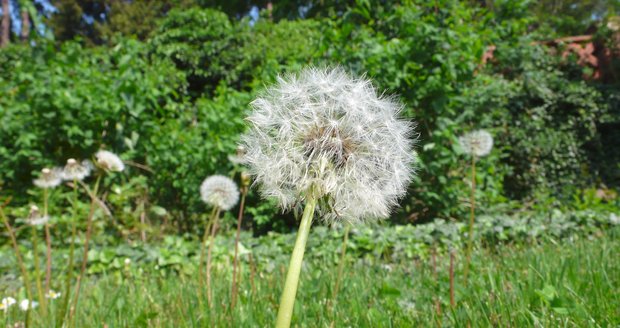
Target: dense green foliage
x: 175, y: 102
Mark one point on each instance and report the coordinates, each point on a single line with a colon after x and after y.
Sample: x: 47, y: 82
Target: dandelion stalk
x: 37, y: 271
x: 48, y: 243
x: 245, y: 180
x: 203, y: 250
x: 477, y: 144
x: 210, y: 255
x: 20, y: 261
x: 287, y: 300
x: 65, y: 302
x: 89, y: 229
x: 472, y: 215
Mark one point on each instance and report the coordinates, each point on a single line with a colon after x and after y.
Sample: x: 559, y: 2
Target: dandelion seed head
x: 49, y: 178
x: 35, y: 217
x: 327, y: 134
x: 237, y: 158
x: 478, y: 143
x: 109, y: 161
x: 76, y: 171
x: 26, y: 305
x: 220, y: 191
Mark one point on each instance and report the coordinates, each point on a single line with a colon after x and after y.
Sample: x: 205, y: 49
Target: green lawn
x: 572, y: 283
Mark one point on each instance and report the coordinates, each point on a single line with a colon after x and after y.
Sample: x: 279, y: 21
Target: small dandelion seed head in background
x: 109, y: 161
x: 478, y: 143
x: 326, y: 133
x: 49, y: 178
x: 35, y: 217
x: 52, y: 295
x: 237, y: 158
x: 26, y: 305
x: 220, y: 191
x: 76, y: 171
x: 6, y: 303
x: 614, y: 219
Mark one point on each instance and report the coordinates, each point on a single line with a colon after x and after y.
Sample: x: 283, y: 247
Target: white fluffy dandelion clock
x: 75, y: 170
x: 35, y: 217
x: 329, y: 140
x: 327, y: 135
x: 219, y: 191
x: 109, y: 161
x: 478, y: 143
x: 49, y: 178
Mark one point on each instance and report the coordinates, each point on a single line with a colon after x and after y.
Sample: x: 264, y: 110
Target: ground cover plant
x: 201, y: 163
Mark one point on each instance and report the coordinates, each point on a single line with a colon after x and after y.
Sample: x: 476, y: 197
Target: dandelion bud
x: 220, y: 191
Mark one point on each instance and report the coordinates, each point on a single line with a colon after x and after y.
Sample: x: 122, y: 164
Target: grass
x: 573, y: 283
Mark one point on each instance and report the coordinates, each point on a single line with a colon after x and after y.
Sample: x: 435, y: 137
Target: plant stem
x: 472, y: 201
x: 210, y: 254
x: 341, y: 265
x: 201, y: 261
x: 233, y: 296
x: 63, y: 309
x: 20, y: 261
x: 37, y: 272
x: 89, y: 229
x: 452, y: 301
x: 287, y: 301
x: 48, y: 243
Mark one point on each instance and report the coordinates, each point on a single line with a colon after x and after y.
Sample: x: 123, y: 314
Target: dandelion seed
x: 49, y: 178
x: 237, y: 158
x: 325, y: 133
x: 478, y: 143
x: 26, y: 305
x: 109, y: 161
x: 52, y: 295
x: 6, y: 303
x: 35, y: 217
x: 219, y: 191
x: 76, y: 171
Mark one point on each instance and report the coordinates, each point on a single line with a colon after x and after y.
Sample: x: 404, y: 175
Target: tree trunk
x: 25, y: 33
x: 6, y: 24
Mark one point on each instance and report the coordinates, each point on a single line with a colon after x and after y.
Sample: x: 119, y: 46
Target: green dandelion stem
x: 285, y: 312
x: 63, y: 309
x: 210, y: 254
x: 48, y: 243
x: 203, y: 251
x: 472, y: 215
x: 37, y: 272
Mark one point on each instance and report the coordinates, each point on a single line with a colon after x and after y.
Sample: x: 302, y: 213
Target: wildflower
x: 52, y: 295
x: 109, y: 161
x: 35, y: 217
x: 478, y: 143
x: 220, y: 191
x: 49, y: 178
x: 6, y: 303
x: 76, y: 171
x: 326, y: 134
x: 127, y: 261
x: 26, y: 305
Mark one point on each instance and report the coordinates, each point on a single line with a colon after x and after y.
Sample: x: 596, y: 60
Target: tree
x: 6, y: 24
